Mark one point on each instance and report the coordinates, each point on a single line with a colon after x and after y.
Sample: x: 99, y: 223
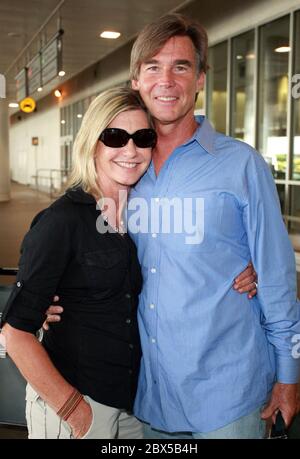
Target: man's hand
x: 53, y: 313
x: 246, y: 281
x: 285, y: 397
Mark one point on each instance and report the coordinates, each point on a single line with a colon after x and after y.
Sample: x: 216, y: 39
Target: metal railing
x: 52, y: 181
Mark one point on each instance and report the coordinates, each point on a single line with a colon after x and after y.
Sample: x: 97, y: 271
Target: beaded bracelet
x: 69, y: 406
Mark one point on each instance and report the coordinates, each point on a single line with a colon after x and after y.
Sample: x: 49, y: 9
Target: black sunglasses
x: 116, y: 138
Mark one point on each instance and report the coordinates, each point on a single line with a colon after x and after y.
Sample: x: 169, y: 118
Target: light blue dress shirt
x: 211, y: 355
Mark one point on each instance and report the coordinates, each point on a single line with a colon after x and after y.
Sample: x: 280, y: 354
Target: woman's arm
x: 37, y: 368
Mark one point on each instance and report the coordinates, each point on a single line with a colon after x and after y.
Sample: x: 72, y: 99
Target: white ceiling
x: 82, y: 22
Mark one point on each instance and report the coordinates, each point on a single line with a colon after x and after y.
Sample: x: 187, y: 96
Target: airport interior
x: 55, y: 58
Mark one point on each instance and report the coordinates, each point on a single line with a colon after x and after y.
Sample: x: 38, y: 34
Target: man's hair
x: 155, y: 35
x: 98, y: 116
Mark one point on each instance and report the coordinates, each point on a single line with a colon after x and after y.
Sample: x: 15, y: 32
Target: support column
x: 4, y: 152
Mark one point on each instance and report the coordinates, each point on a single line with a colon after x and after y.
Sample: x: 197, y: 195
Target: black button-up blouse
x: 97, y: 276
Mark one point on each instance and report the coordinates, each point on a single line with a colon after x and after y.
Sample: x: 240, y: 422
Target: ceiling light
x: 57, y: 93
x: 61, y: 73
x: 13, y: 105
x: 79, y: 115
x: 63, y: 121
x: 250, y: 56
x: 239, y: 57
x: 40, y: 89
x: 282, y: 49
x: 110, y: 34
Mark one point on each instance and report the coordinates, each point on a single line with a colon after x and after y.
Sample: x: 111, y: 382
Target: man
x: 210, y: 356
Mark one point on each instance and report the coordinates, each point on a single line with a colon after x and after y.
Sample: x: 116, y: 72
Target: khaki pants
x: 107, y: 423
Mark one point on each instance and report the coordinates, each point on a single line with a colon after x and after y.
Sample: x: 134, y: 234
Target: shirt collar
x: 79, y: 196
x: 205, y: 134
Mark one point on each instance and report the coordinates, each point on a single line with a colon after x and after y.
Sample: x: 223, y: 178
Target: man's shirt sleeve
x: 274, y: 261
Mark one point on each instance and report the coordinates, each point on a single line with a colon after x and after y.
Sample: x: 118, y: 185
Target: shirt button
x: 154, y: 235
x: 152, y: 306
x: 128, y: 321
x: 153, y: 270
x: 153, y: 340
x: 130, y: 372
x: 19, y: 284
x: 131, y: 346
x: 128, y: 295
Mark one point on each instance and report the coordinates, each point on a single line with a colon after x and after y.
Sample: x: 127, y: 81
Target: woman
x: 82, y: 378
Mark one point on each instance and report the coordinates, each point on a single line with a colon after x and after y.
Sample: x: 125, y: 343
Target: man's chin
x: 165, y: 118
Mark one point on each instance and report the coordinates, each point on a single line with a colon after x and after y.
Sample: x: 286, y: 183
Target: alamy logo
x: 159, y: 216
x: 296, y: 347
x: 168, y: 216
x: 2, y: 87
x: 296, y: 87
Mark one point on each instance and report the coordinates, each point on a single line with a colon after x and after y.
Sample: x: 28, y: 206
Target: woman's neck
x: 112, y: 203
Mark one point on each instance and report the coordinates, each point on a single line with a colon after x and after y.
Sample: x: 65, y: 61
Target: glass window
x: 243, y: 67
x: 63, y: 122
x: 199, y: 107
x: 273, y: 91
x: 217, y: 86
x: 296, y: 103
x: 78, y: 112
x: 281, y: 194
x: 294, y: 224
x: 69, y: 123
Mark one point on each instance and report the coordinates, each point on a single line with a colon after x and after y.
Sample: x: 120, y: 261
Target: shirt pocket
x: 105, y: 268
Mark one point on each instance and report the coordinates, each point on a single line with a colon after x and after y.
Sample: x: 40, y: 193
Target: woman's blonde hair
x: 99, y: 115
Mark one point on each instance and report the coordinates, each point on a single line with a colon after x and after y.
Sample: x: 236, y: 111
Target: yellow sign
x: 27, y: 105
